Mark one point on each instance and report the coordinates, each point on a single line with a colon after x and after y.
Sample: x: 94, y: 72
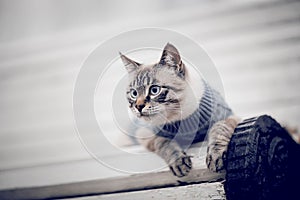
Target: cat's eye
x: 155, y: 90
x: 133, y: 93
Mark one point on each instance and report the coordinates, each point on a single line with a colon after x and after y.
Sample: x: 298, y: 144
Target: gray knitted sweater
x: 212, y: 108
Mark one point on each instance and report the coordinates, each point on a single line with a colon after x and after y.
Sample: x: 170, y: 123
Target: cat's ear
x: 129, y: 64
x: 171, y: 57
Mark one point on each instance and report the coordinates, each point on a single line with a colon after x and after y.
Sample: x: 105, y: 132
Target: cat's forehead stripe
x: 134, y: 83
x: 140, y: 77
x: 144, y: 77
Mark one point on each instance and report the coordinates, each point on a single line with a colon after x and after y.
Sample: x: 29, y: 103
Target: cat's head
x: 155, y: 92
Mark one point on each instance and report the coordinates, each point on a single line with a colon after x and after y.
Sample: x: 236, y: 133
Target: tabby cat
x: 180, y: 108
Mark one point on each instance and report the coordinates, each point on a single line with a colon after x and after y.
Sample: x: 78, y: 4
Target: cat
x: 180, y: 108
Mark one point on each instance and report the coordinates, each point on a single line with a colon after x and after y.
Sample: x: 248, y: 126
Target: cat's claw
x: 181, y: 166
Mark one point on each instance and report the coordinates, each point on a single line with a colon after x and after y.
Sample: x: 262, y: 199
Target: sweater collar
x: 200, y: 118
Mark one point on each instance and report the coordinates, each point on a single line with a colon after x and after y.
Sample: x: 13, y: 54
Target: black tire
x: 261, y: 161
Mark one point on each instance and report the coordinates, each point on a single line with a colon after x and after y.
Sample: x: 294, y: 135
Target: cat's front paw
x: 182, y: 165
x: 218, y: 140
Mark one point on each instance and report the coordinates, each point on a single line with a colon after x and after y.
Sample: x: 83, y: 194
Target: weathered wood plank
x: 78, y: 168
x: 203, y: 191
x: 113, y: 185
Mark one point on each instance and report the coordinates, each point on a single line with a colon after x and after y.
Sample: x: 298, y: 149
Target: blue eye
x: 155, y: 90
x: 133, y: 94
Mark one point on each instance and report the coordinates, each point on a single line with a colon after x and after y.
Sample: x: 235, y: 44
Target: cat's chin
x: 153, y: 119
x: 146, y: 116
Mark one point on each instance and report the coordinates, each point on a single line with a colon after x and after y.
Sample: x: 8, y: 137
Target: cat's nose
x: 140, y: 104
x: 140, y: 107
